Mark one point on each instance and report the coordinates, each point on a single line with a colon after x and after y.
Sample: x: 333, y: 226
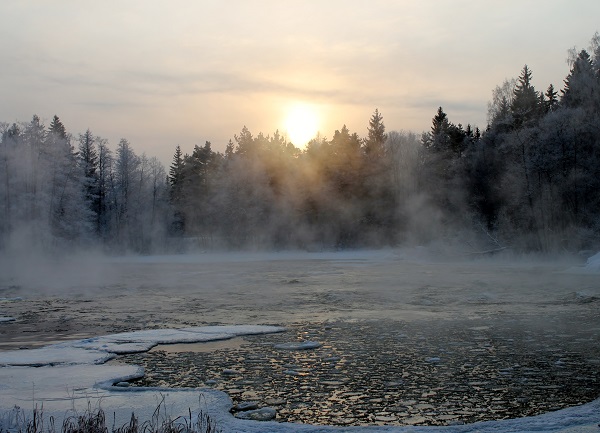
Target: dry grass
x: 94, y: 421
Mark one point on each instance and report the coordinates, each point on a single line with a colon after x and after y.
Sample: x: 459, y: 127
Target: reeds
x: 94, y: 421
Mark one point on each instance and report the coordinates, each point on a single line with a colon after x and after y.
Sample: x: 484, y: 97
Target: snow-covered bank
x: 69, y: 376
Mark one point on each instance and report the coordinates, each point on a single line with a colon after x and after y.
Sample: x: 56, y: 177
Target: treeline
x: 263, y: 191
x: 59, y: 190
x: 530, y: 181
x: 534, y: 177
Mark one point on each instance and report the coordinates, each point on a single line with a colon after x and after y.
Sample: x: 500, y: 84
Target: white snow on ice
x: 71, y: 376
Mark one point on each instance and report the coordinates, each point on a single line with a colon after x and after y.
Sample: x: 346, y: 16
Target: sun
x: 301, y: 124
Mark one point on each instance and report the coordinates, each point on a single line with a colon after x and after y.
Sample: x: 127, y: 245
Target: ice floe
x: 73, y: 376
x: 298, y: 345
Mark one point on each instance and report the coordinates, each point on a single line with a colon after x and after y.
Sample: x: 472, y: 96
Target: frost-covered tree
x: 42, y: 199
x: 9, y: 193
x: 582, y: 85
x: 34, y: 136
x: 499, y: 115
x: 125, y: 166
x: 68, y: 209
x: 105, y: 190
x: 88, y: 163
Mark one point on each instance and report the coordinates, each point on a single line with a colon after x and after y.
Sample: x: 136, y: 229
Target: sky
x: 183, y: 72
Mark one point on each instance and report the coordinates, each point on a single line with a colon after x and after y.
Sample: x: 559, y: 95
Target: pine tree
x: 105, y: 175
x: 10, y: 142
x: 446, y: 136
x: 459, y: 139
x: 34, y: 138
x: 175, y: 171
x: 525, y: 102
x: 69, y: 212
x: 88, y: 163
x: 552, y: 98
x: 229, y: 150
x: 35, y: 133
x: 376, y: 136
x: 57, y: 128
x: 245, y: 142
x: 176, y: 181
x: 88, y: 155
x: 437, y: 139
x: 439, y: 122
x: 542, y: 104
x: 126, y: 166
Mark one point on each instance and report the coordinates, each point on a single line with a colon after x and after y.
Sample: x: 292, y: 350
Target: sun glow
x: 301, y: 124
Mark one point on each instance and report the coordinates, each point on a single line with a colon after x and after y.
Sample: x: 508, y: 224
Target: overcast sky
x: 182, y: 72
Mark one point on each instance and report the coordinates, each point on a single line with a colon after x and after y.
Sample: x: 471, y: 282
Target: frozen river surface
x: 488, y: 330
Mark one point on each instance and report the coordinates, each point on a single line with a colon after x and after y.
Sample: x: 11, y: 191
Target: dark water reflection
x: 384, y: 372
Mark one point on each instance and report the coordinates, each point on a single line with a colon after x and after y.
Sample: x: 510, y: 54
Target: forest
x: 530, y: 181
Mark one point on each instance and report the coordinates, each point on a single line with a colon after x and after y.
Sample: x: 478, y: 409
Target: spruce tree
x: 176, y: 179
x: 175, y: 171
x: 88, y: 163
x: 552, y: 98
x: 525, y: 102
x: 57, y: 128
x: 376, y: 136
x: 439, y: 122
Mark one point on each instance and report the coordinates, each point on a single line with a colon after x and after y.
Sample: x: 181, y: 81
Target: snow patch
x: 142, y: 341
x: 55, y: 354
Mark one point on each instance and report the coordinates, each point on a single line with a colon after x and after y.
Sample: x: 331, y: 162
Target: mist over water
x: 484, y: 231
x: 377, y: 314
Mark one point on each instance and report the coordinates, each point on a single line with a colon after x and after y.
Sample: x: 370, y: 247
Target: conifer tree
x: 105, y: 191
x: 551, y: 98
x: 57, y: 128
x: 437, y: 140
x: 176, y: 180
x: 525, y: 103
x: 229, y: 150
x: 376, y: 136
x: 582, y: 86
x: 68, y: 210
x: 176, y: 169
x: 88, y: 163
x: 245, y: 142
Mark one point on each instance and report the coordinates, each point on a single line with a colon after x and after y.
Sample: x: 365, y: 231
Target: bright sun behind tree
x: 301, y: 124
